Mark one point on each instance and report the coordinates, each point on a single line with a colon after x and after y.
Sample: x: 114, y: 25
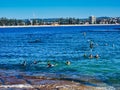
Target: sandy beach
x: 27, y: 26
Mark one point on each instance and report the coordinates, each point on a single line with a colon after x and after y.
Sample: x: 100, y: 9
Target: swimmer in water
x: 49, y: 64
x: 24, y: 63
x: 91, y: 44
x: 35, y: 62
x: 96, y: 56
x: 90, y: 56
x: 85, y: 55
x: 68, y: 63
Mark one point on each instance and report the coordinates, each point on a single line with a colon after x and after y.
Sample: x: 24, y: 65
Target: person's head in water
x: 96, y: 56
x: 35, y: 62
x: 91, y: 44
x: 85, y: 55
x: 49, y: 65
x: 24, y: 63
x: 90, y: 56
x: 68, y: 63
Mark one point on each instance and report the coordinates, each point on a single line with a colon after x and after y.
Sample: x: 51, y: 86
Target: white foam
x: 17, y: 86
x: 105, y: 88
x: 30, y: 86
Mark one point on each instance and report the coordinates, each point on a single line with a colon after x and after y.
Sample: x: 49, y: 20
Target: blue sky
x: 58, y: 8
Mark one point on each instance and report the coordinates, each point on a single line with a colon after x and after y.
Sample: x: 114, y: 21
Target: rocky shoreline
x: 40, y: 83
x: 22, y: 81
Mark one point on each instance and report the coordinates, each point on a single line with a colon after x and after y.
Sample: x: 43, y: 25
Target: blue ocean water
x: 60, y: 44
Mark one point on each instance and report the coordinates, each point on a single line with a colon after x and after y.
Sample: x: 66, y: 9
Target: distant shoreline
x: 27, y: 26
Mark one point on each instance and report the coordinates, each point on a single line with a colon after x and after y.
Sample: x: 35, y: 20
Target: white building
x: 92, y: 20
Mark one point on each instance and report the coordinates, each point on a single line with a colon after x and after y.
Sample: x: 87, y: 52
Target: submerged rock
x: 35, y: 41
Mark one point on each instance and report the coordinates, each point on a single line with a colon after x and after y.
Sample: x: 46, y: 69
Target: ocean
x: 30, y: 49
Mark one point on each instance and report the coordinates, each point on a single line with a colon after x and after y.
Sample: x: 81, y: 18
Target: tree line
x: 62, y: 21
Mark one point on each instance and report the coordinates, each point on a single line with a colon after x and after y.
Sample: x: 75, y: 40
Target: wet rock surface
x: 22, y: 81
